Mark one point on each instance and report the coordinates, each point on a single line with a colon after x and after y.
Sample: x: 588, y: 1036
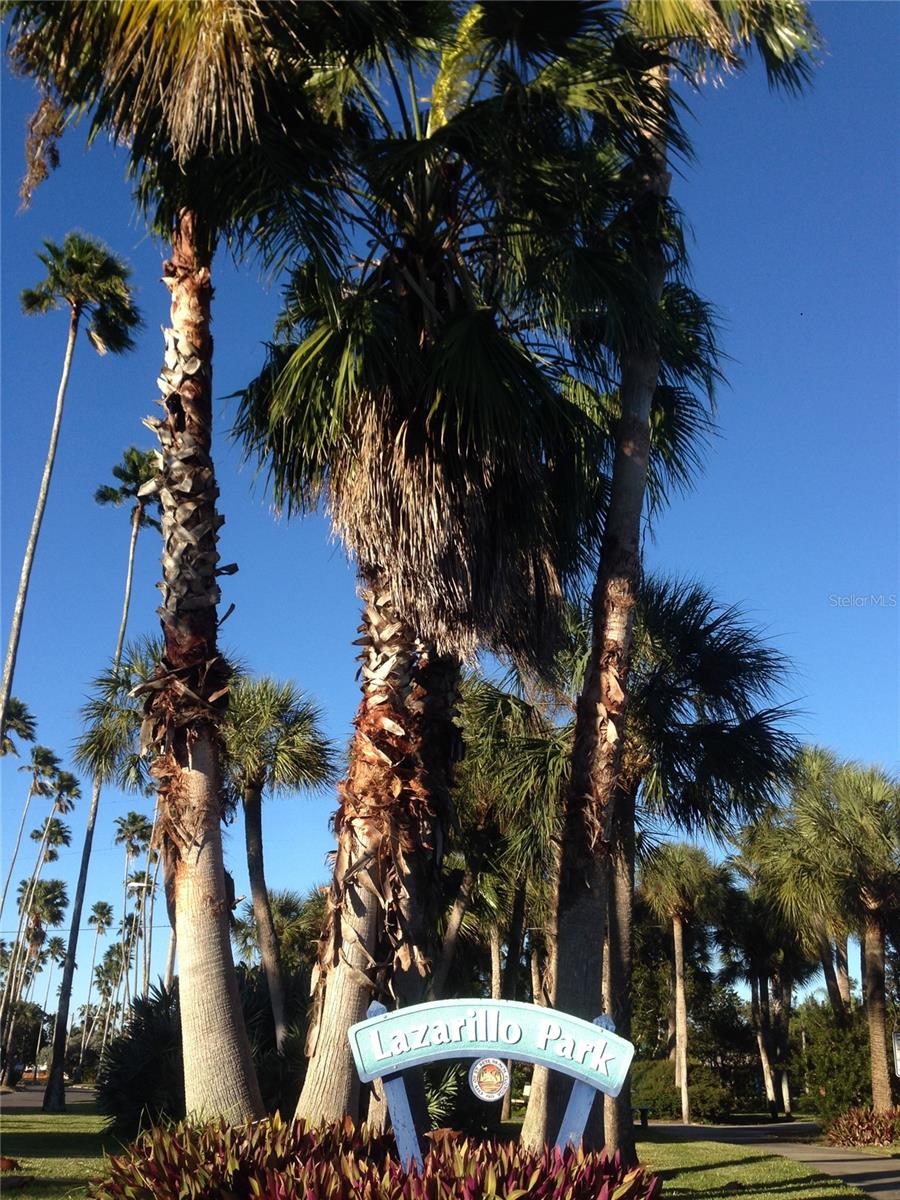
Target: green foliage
x: 836, y: 1060
x: 865, y: 1127
x: 653, y: 1087
x: 339, y: 1162
x: 141, y: 1079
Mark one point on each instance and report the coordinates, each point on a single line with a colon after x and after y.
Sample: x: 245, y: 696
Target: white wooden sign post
x: 388, y: 1043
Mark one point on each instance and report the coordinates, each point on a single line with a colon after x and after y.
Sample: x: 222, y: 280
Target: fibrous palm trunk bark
x: 681, y: 1026
x: 618, y: 1123
x: 372, y: 941
x: 269, y: 952
x: 873, y: 950
x: 12, y: 647
x: 601, y: 707
x: 842, y: 971
x: 186, y: 700
x: 55, y: 1092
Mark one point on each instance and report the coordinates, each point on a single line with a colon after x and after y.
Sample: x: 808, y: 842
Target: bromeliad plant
x: 341, y: 1162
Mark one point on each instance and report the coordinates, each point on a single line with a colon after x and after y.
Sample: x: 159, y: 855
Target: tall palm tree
x: 681, y: 886
x: 267, y: 143
x: 691, y: 36
x: 20, y: 721
x: 415, y: 395
x: 43, y: 767
x: 137, y: 468
x: 133, y: 831
x: 101, y: 918
x: 84, y: 278
x: 837, y: 845
x: 273, y: 744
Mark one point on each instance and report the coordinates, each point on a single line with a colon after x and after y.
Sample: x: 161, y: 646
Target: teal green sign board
x: 391, y: 1042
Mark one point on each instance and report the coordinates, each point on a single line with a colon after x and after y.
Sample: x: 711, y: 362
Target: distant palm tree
x: 89, y: 281
x: 137, y: 468
x: 273, y: 743
x: 681, y: 886
x: 297, y: 918
x: 19, y: 721
x: 43, y: 767
x: 133, y: 831
x: 55, y: 952
x: 101, y: 918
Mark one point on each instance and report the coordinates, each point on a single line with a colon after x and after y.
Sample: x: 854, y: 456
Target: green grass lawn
x: 712, y: 1170
x: 59, y: 1154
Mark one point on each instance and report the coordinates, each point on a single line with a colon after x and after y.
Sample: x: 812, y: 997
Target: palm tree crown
x: 85, y: 276
x: 20, y: 721
x: 136, y: 468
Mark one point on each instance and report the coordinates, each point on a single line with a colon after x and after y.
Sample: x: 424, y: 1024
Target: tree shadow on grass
x: 793, y: 1189
x: 32, y: 1145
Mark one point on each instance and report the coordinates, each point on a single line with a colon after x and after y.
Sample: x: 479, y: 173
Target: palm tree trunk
x: 826, y: 958
x: 129, y: 579
x: 55, y: 1092
x: 389, y: 829
x: 496, y: 972
x: 148, y: 937
x: 12, y: 648
x: 842, y: 971
x: 510, y: 977
x: 15, y: 855
x: 126, y: 952
x: 618, y: 1123
x: 461, y: 902
x: 87, y: 1011
x: 681, y: 1026
x: 186, y: 701
x: 40, y: 1036
x: 873, y: 950
x: 170, y: 962
x: 536, y: 1130
x: 781, y: 1008
x: 218, y: 1072
x: 601, y: 707
x: 262, y: 913
x: 761, y: 1040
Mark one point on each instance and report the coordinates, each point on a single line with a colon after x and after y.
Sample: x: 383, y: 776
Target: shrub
x: 865, y: 1127
x: 836, y: 1061
x: 653, y: 1087
x: 288, y: 1162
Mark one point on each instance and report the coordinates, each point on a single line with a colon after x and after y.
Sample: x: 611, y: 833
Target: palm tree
x: 101, y: 918
x: 108, y: 749
x: 90, y: 282
x: 266, y: 144
x: 838, y: 847
x: 133, y: 831
x: 43, y: 767
x: 273, y: 744
x: 298, y: 920
x: 42, y: 906
x: 19, y: 721
x: 137, y: 468
x: 413, y: 395
x: 681, y: 886
x: 696, y: 33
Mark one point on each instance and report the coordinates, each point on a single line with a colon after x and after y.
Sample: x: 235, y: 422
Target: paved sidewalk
x: 878, y: 1177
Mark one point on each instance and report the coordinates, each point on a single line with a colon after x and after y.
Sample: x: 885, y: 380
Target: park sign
x: 425, y: 1033
x: 492, y: 1031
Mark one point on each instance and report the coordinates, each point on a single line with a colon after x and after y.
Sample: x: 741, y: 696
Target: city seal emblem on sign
x: 489, y: 1078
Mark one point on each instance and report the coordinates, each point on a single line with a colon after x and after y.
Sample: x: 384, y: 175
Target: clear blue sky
x: 794, y: 212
